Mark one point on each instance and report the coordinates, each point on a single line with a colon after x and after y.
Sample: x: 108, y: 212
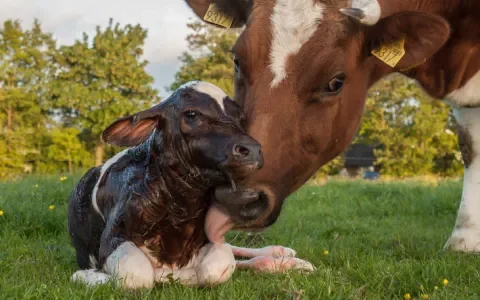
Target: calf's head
x: 197, y: 132
x: 302, y: 70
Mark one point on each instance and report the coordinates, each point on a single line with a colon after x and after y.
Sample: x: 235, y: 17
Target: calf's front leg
x: 466, y: 234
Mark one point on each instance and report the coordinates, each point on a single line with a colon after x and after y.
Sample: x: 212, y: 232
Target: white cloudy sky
x: 68, y: 19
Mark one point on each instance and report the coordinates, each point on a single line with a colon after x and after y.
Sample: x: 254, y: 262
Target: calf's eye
x: 190, y: 115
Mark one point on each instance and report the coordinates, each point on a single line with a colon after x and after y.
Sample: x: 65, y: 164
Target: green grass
x: 383, y: 239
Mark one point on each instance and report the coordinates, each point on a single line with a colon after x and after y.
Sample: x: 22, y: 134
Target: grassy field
x: 383, y: 240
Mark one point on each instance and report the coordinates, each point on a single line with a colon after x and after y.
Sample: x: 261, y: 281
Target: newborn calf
x: 141, y: 216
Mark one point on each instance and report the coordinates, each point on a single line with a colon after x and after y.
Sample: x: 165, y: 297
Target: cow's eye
x: 335, y: 85
x: 190, y: 115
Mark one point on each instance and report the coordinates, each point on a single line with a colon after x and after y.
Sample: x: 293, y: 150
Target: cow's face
x: 302, y: 72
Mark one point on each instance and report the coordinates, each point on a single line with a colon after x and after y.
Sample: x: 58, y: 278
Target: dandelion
x: 63, y: 178
x: 425, y: 297
x: 445, y: 282
x: 51, y: 207
x: 35, y: 186
x: 1, y: 213
x: 407, y: 296
x: 435, y: 287
x: 325, y: 252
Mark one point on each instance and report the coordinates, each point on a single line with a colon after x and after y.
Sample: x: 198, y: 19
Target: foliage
x: 102, y: 80
x: 55, y: 102
x: 414, y: 133
x: 209, y: 58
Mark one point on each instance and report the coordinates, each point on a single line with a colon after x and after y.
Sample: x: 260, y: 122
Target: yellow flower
x: 425, y: 297
x: 435, y: 287
x: 325, y: 252
x: 63, y: 178
x: 1, y: 213
x: 407, y: 296
x: 445, y: 282
x: 51, y: 207
x: 35, y: 186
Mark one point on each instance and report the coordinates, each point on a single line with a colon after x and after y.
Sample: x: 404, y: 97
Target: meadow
x: 367, y: 241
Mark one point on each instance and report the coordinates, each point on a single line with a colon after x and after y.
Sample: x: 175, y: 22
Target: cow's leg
x: 466, y: 234
x: 273, y: 251
x: 213, y: 265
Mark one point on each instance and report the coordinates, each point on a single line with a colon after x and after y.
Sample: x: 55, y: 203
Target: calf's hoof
x: 464, y: 240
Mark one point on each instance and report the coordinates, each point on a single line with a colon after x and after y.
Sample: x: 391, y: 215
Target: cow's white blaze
x: 210, y: 89
x: 104, y: 168
x: 466, y: 235
x: 293, y: 24
x: 469, y: 94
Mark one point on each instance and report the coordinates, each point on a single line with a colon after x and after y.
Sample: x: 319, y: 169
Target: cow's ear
x: 423, y: 34
x: 222, y: 13
x: 134, y: 129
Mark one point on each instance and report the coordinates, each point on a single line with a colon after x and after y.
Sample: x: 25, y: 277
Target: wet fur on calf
x: 156, y: 193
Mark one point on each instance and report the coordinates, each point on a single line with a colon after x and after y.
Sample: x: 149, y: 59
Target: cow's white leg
x: 213, y: 265
x: 130, y: 266
x: 466, y: 234
x: 270, y: 264
x: 273, y: 251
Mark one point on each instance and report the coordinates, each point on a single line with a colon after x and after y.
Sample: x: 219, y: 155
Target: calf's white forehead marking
x: 293, y: 24
x: 104, y: 168
x: 207, y: 88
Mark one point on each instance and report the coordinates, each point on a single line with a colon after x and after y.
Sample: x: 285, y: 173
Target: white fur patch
x: 466, y: 235
x: 469, y: 94
x: 91, y: 277
x: 131, y: 266
x: 104, y: 168
x: 293, y: 22
x: 207, y: 88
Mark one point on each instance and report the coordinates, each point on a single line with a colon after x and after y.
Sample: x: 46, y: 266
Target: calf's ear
x: 228, y: 13
x: 134, y: 129
x: 423, y: 33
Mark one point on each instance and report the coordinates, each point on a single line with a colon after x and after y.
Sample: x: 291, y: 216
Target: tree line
x: 55, y: 100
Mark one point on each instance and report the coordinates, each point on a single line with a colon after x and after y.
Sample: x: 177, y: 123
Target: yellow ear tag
x: 216, y: 16
x: 392, y: 53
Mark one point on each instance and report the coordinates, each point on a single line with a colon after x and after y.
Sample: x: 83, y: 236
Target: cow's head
x: 302, y: 72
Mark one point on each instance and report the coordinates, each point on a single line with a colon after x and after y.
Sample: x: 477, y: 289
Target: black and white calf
x: 147, y: 215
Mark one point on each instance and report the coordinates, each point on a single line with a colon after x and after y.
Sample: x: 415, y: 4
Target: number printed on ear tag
x: 392, y: 53
x: 216, y: 16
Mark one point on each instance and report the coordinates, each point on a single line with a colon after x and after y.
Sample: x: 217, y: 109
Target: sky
x: 165, y: 21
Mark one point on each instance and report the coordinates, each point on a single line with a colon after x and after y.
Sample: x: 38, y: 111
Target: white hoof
x: 464, y: 240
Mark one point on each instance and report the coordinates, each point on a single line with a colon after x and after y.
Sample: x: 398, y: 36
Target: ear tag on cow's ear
x: 216, y: 16
x: 392, y: 53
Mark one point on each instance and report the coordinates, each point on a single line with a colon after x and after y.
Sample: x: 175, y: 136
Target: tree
x: 209, y: 58
x: 67, y: 150
x: 414, y: 132
x: 26, y: 65
x: 102, y: 80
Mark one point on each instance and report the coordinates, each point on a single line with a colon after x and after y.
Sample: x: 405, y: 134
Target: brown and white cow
x: 303, y: 68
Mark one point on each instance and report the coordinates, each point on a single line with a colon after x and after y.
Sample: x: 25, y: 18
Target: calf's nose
x: 248, y: 153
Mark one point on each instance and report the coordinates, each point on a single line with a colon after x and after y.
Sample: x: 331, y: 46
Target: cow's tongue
x: 217, y: 224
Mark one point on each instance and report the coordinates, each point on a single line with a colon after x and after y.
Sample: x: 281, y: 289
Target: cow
x: 144, y: 217
x: 302, y: 71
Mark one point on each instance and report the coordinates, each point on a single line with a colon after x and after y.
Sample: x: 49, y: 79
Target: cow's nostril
x: 241, y: 150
